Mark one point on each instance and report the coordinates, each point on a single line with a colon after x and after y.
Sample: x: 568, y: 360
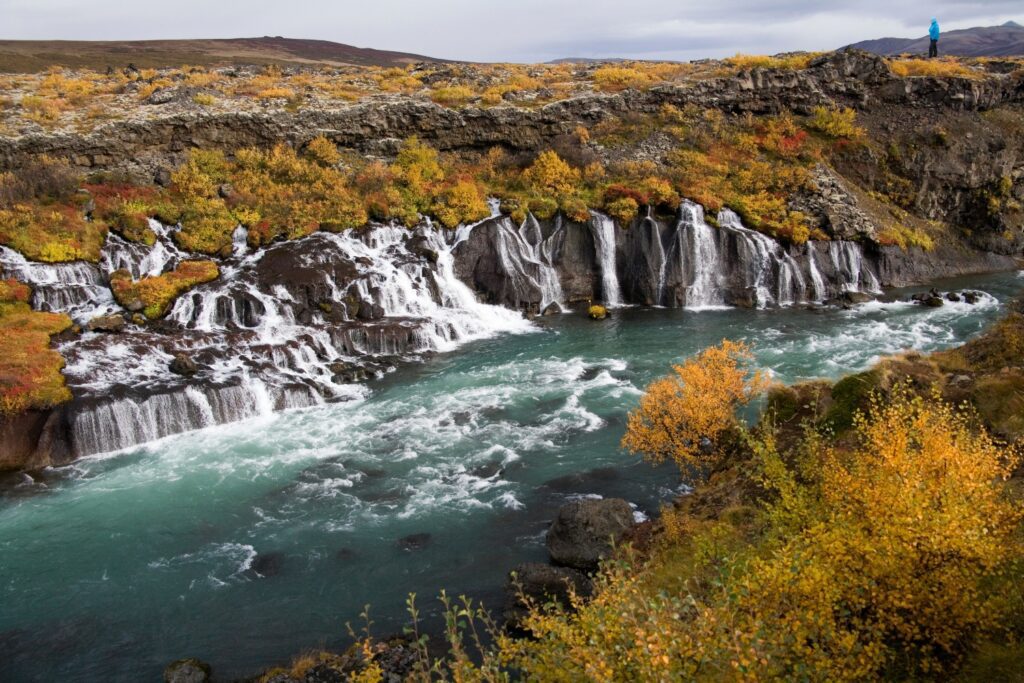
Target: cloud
x: 527, y: 30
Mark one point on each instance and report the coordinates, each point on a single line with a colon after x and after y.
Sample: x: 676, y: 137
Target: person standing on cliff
x: 933, y: 33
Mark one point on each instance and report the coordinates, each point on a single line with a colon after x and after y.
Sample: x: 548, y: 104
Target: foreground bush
x: 888, y: 553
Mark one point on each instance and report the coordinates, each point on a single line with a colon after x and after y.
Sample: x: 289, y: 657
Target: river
x: 116, y: 565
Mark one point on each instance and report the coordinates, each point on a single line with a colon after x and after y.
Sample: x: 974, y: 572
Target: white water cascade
x: 273, y: 332
x: 76, y: 288
x: 527, y: 257
x: 603, y: 229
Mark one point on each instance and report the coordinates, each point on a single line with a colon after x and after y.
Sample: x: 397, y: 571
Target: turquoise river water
x: 113, y: 567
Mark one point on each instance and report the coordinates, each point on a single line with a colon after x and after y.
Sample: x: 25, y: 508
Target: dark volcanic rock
x: 266, y: 565
x: 187, y: 671
x: 584, y: 531
x: 542, y: 583
x: 414, y: 541
x: 552, y: 309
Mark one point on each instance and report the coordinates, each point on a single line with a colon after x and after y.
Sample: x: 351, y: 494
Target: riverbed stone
x: 414, y: 541
x: 114, y: 322
x: 183, y: 365
x: 189, y: 670
x: 584, y: 531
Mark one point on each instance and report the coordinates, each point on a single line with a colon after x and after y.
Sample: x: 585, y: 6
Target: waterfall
x: 603, y: 229
x: 272, y: 333
x: 766, y: 263
x: 699, y: 242
x: 820, y: 292
x: 76, y: 288
x: 295, y: 323
x: 527, y: 259
x: 848, y: 261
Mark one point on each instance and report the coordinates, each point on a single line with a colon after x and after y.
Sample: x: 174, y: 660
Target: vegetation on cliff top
x: 753, y: 165
x: 30, y: 374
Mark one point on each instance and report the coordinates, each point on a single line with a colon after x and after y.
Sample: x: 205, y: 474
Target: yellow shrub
x: 276, y: 93
x: 155, y: 294
x: 836, y: 123
x: 550, y: 174
x: 682, y: 417
x: 946, y: 67
x: 452, y: 96
x: 614, y: 78
x: 323, y: 151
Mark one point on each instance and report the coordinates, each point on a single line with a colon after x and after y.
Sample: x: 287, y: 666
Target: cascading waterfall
x: 263, y: 336
x: 603, y: 229
x: 700, y: 239
x: 848, y: 261
x: 297, y: 323
x: 76, y: 288
x: 765, y: 259
x: 820, y: 291
x: 527, y: 258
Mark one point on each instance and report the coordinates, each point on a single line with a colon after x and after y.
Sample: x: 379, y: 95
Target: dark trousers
x: 933, y: 49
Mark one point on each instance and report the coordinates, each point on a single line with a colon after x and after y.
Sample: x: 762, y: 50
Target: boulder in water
x: 953, y: 297
x: 183, y: 365
x: 552, y: 309
x: 189, y: 670
x: 106, y: 323
x: 414, y: 541
x: 933, y: 302
x: 855, y: 298
x: 971, y: 297
x: 584, y: 531
x: 266, y: 565
x: 542, y: 583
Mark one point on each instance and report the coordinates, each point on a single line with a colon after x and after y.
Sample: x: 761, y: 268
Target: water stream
x: 114, y: 566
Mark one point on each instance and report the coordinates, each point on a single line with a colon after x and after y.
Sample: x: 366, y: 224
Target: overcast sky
x: 511, y: 30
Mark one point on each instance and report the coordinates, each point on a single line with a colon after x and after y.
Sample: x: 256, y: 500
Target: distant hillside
x: 988, y: 41
x: 35, y: 55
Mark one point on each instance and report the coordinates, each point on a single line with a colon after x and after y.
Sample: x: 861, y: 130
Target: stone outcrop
x: 584, y: 531
x: 852, y: 78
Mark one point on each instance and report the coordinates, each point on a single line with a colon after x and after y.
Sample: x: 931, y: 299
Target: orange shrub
x: 154, y: 295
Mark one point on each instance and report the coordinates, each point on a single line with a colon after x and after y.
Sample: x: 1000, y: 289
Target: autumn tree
x: 684, y: 416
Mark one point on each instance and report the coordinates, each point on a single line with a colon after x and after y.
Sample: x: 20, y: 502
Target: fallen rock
x: 190, y: 670
x: 584, y: 531
x: 934, y: 302
x: 971, y: 297
x: 541, y: 583
x: 183, y: 365
x: 106, y: 323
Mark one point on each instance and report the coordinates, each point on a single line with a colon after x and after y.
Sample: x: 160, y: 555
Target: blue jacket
x: 933, y: 30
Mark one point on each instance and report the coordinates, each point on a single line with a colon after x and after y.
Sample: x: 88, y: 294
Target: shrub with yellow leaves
x: 685, y: 416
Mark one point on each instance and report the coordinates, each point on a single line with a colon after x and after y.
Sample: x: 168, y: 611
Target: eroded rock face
x: 584, y: 531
